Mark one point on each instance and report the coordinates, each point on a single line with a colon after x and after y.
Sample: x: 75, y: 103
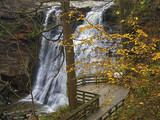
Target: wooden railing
x: 108, y: 114
x: 84, y: 97
x: 89, y: 101
x: 91, y: 79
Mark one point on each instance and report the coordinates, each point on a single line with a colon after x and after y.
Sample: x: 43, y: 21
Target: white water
x: 95, y: 18
x: 50, y: 90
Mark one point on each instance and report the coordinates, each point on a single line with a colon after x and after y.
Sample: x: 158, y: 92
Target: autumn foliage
x: 137, y: 64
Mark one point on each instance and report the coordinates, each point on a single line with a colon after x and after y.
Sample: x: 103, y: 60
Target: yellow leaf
x: 131, y: 100
x: 109, y: 100
x: 117, y: 12
x: 141, y: 103
x: 136, y: 18
x: 158, y: 94
x: 122, y: 21
x: 107, y: 95
x: 60, y: 43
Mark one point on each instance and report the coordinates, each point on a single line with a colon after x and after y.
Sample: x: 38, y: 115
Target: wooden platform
x: 110, y: 96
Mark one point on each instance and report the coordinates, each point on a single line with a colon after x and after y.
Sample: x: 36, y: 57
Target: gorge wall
x: 18, y: 47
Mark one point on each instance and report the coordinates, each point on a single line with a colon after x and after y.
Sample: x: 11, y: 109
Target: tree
x: 68, y: 43
x: 122, y: 18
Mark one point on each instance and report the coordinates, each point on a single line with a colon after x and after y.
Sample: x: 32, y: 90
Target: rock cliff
x: 19, y: 22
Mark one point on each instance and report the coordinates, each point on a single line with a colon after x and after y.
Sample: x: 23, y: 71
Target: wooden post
x: 83, y: 82
x: 85, y: 112
x: 123, y: 102
x: 92, y: 107
x: 116, y: 107
x: 110, y: 112
x: 98, y: 102
x: 96, y: 79
x: 83, y: 96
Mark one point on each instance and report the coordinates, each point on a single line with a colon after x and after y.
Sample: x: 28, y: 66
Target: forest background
x: 140, y: 33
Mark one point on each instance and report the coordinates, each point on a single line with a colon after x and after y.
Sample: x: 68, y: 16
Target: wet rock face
x: 17, y: 51
x: 4, y: 95
x: 17, y: 82
x: 110, y: 20
x: 14, y: 83
x: 76, y: 23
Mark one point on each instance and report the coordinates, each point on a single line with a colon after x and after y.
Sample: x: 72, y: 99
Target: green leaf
x: 1, y: 33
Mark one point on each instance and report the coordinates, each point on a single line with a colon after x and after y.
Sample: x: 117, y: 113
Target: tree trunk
x: 125, y: 8
x: 122, y: 17
x: 70, y: 63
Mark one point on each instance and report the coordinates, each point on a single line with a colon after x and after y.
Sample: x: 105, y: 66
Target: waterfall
x: 50, y: 82
x: 93, y: 17
x: 49, y: 87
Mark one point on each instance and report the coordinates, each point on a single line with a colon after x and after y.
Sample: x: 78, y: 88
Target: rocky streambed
x: 19, y: 111
x: 16, y: 110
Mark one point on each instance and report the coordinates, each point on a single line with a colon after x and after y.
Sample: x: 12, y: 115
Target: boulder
x: 4, y: 95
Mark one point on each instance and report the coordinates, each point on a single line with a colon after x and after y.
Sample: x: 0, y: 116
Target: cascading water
x: 49, y: 87
x: 93, y: 17
x: 50, y: 82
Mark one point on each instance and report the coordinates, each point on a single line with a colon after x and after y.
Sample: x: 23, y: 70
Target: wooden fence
x: 90, y: 101
x: 91, y: 79
x: 108, y: 113
x: 84, y: 97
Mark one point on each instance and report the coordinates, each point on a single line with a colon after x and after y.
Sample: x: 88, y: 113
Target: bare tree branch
x: 62, y: 49
x: 7, y: 83
x: 38, y: 34
x: 60, y: 65
x: 52, y: 39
